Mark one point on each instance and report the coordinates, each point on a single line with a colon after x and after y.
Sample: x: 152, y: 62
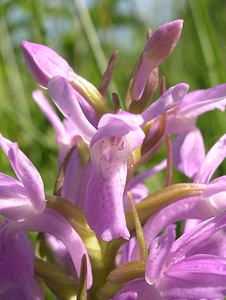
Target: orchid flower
x: 177, y: 269
x: 100, y: 149
x: 119, y: 134
x: 211, y: 203
x: 44, y: 64
x: 23, y: 201
x: 182, y: 122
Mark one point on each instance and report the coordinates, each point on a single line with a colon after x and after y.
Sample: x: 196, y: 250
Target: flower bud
x: 44, y: 63
x: 157, y: 49
x: 163, y: 41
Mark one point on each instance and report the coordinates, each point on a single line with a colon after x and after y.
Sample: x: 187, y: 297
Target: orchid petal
x: 168, y: 100
x: 74, y: 175
x: 60, y: 253
x: 14, y: 202
x: 146, y: 174
x: 26, y: 173
x: 66, y: 135
x: 199, y: 102
x: 120, y: 124
x: 131, y: 120
x: 47, y: 109
x: 214, y: 245
x: 125, y: 252
x: 193, y: 287
x: 143, y: 290
x: 29, y: 290
x: 189, y: 152
x: 200, y: 233
x: 216, y: 192
x: 88, y: 110
x: 17, y: 257
x: 54, y: 224
x: 66, y: 99
x: 44, y: 63
x: 194, y: 104
x: 139, y: 192
x: 159, y: 252
x: 104, y: 197
x: 202, y: 207
x: 127, y: 296
x: 212, y: 161
x: 199, y: 263
x: 177, y: 124
x: 195, y: 277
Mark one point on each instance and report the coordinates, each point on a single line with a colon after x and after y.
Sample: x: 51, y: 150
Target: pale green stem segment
x: 170, y: 194
x: 127, y: 272
x: 139, y: 230
x: 59, y: 282
x: 118, y: 277
x: 169, y: 168
x: 107, y: 291
x: 90, y: 93
x: 82, y: 292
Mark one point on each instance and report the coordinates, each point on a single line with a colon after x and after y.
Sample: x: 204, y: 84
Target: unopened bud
x: 157, y: 49
x: 162, y: 42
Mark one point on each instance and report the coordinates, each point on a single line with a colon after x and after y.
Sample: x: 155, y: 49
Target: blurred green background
x: 86, y: 33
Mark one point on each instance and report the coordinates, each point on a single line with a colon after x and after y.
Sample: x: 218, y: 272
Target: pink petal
x: 66, y: 99
x: 14, y: 202
x: 158, y: 255
x: 26, y: 173
x: 189, y: 152
x: 168, y: 100
x: 44, y: 63
x: 41, y: 100
x: 104, y: 197
x: 213, y: 159
x: 54, y: 224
